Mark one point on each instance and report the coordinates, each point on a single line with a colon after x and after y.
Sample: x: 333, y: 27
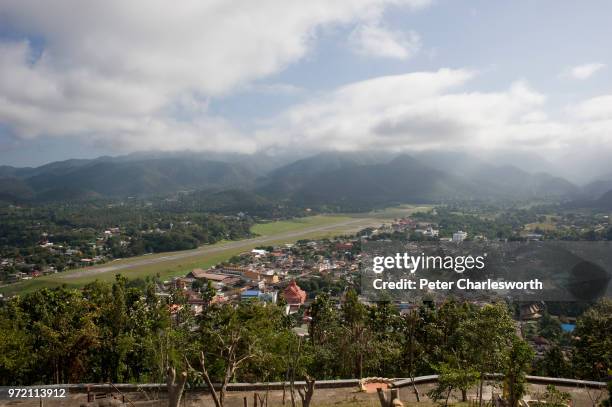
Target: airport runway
x: 211, y: 249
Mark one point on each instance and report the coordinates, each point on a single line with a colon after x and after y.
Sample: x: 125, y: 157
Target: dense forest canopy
x: 123, y: 332
x: 57, y: 237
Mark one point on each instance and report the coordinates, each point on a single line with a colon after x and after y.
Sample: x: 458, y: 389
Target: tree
x: 411, y: 323
x: 15, y: 345
x: 356, y: 333
x: 517, y: 362
x: 488, y: 333
x: 62, y: 332
x: 209, y: 293
x: 175, y: 387
x: 386, y: 331
x: 324, y: 333
x: 116, y: 342
x: 307, y: 392
x: 237, y: 338
x: 451, y: 378
x: 608, y: 402
x: 549, y: 327
x: 324, y: 317
x: 593, y: 342
x: 552, y: 398
x: 554, y: 364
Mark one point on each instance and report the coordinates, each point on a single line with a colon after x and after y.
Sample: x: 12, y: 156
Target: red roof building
x: 344, y: 246
x: 293, y: 294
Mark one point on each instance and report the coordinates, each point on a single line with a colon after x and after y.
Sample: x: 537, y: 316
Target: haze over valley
x: 351, y: 181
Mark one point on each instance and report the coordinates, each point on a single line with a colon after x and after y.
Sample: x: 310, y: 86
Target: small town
x: 347, y: 203
x: 292, y: 275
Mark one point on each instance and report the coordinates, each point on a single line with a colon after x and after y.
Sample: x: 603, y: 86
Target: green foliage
x: 208, y: 293
x: 78, y: 231
x: 518, y: 361
x: 453, y: 378
x: 124, y: 332
x: 554, y: 364
x: 552, y: 397
x: 593, y: 342
x: 608, y: 401
x: 103, y: 333
x: 256, y: 335
x: 549, y: 327
x: 488, y: 333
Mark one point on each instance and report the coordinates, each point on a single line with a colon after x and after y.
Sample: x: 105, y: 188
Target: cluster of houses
x: 267, y: 275
x: 427, y: 230
x: 16, y: 268
x: 239, y: 284
x: 270, y: 274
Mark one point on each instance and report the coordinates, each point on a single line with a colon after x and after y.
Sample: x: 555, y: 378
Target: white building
x: 431, y: 232
x: 459, y: 236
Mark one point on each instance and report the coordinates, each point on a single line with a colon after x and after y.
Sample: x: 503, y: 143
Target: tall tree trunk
x: 308, y: 392
x: 447, y: 397
x: 175, y: 388
x: 415, y: 390
x: 218, y: 402
x: 411, y: 362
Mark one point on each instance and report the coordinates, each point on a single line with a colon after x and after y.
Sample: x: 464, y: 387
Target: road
x: 216, y: 248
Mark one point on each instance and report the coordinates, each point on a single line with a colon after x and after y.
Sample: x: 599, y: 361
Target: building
x: 294, y: 295
x: 459, y: 236
x: 217, y: 279
x: 269, y: 276
x: 344, y: 246
x: 259, y: 252
x: 534, y: 236
x: 269, y: 296
x: 252, y: 295
x: 231, y: 269
x: 431, y: 232
x: 182, y: 283
x: 533, y: 310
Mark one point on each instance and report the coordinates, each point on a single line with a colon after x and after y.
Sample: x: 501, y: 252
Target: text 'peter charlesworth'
x: 458, y: 264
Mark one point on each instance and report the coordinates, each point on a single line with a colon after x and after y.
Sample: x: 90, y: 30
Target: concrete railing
x: 320, y: 384
x: 565, y: 382
x: 558, y: 381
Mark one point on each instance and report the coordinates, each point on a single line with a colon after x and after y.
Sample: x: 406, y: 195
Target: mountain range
x: 111, y: 178
x: 347, y: 180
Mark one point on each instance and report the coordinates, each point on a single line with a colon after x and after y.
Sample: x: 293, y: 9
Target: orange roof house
x: 215, y: 278
x: 293, y: 294
x: 269, y: 276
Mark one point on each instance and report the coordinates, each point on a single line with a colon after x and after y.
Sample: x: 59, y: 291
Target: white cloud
x: 582, y: 72
x: 140, y: 75
x: 273, y: 88
x: 420, y: 110
x: 593, y: 121
x: 116, y: 71
x: 375, y: 40
x: 597, y: 108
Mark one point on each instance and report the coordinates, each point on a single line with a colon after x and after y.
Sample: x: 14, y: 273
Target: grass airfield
x: 171, y: 264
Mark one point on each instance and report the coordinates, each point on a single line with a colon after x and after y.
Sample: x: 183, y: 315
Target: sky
x: 82, y: 79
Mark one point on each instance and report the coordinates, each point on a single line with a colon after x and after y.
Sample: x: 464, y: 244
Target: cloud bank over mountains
x: 141, y: 75
x: 432, y: 110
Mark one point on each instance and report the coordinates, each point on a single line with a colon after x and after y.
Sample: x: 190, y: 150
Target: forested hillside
x: 122, y: 332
